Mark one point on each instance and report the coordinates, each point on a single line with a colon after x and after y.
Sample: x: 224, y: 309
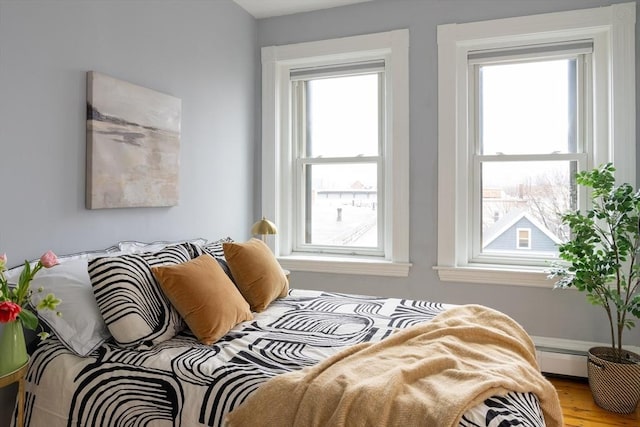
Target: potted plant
x: 602, y: 261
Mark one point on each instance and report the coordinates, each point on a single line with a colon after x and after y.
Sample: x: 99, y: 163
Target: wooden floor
x: 581, y: 411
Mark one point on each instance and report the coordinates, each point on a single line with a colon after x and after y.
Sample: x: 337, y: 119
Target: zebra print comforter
x: 181, y: 382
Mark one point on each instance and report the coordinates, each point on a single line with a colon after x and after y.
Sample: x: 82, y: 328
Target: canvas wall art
x: 133, y: 145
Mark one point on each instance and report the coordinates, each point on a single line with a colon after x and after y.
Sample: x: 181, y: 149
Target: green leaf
x: 28, y: 319
x: 48, y: 303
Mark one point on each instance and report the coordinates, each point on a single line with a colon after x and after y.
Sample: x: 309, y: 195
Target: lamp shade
x: 264, y: 226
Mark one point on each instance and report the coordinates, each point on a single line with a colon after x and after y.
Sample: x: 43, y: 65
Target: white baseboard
x: 566, y: 357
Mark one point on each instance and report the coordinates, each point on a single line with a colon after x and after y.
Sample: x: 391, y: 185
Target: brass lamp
x: 264, y: 227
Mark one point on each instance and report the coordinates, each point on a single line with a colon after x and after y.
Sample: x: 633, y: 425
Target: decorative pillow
x: 132, y: 304
x: 13, y: 273
x: 81, y: 327
x: 134, y: 246
x: 193, y: 249
x: 215, y: 250
x: 257, y: 273
x: 204, y: 296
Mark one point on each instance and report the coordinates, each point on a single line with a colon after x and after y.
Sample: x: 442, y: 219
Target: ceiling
x: 267, y: 8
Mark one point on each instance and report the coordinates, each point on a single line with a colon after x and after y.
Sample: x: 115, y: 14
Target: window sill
x: 497, y: 275
x: 345, y: 265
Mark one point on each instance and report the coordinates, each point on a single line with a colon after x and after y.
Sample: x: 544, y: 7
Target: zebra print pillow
x: 133, y: 306
x: 215, y: 250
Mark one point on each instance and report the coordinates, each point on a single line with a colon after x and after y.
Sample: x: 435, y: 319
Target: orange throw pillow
x: 205, y: 297
x: 256, y: 272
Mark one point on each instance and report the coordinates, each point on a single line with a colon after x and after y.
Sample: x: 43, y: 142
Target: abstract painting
x: 133, y: 145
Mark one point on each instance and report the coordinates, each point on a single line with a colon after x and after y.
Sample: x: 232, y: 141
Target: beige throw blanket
x: 425, y: 375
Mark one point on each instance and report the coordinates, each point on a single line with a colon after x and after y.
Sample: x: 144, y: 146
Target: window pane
x: 342, y: 205
x: 518, y: 196
x: 528, y: 108
x: 343, y: 116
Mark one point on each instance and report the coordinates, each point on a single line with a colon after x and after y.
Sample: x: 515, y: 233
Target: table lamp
x: 264, y: 227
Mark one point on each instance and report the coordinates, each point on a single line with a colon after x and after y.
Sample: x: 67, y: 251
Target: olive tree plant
x: 601, y: 254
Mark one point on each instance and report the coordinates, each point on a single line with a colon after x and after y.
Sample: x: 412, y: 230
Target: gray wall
x: 203, y: 52
x: 545, y: 312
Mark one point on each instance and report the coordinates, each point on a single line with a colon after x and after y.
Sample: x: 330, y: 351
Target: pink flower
x: 49, y: 259
x: 3, y: 260
x: 9, y: 311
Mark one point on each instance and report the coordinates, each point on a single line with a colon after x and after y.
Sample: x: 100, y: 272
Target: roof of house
x: 511, y: 218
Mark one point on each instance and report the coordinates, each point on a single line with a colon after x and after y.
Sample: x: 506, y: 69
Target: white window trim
x: 613, y: 31
x: 393, y: 47
x: 519, y: 239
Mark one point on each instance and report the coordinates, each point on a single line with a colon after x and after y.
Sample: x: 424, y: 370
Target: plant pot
x: 13, y: 351
x: 615, y: 386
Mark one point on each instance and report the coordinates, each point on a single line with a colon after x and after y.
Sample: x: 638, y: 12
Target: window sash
x: 301, y: 186
x: 476, y: 253
x: 583, y: 134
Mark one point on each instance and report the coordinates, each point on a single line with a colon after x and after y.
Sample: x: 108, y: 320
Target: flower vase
x: 13, y: 350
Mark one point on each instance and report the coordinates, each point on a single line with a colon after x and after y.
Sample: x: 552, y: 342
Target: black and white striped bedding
x: 181, y: 382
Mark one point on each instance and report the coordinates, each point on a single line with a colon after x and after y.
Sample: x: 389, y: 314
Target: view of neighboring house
x: 519, y: 231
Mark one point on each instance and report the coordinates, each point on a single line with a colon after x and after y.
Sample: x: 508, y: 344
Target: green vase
x: 13, y: 350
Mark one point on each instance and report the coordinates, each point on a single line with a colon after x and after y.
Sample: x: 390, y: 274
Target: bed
x: 181, y: 381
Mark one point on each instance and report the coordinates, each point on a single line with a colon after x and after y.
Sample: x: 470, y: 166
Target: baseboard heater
x: 566, y: 357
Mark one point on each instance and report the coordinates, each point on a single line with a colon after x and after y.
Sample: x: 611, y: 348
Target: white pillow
x: 13, y: 273
x: 81, y: 327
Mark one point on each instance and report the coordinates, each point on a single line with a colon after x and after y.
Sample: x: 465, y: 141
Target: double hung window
x: 523, y: 104
x: 335, y: 153
x: 339, y: 168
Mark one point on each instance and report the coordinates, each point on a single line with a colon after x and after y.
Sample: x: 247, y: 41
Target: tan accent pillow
x: 256, y: 272
x: 205, y: 297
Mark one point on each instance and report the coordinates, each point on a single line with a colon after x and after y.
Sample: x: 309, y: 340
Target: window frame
x: 582, y: 156
x: 612, y: 30
x: 301, y: 160
x: 278, y: 172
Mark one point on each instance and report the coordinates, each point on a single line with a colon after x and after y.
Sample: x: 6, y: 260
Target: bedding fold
x: 429, y: 374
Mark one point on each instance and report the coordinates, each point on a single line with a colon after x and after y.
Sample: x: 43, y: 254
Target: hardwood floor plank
x: 580, y: 410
